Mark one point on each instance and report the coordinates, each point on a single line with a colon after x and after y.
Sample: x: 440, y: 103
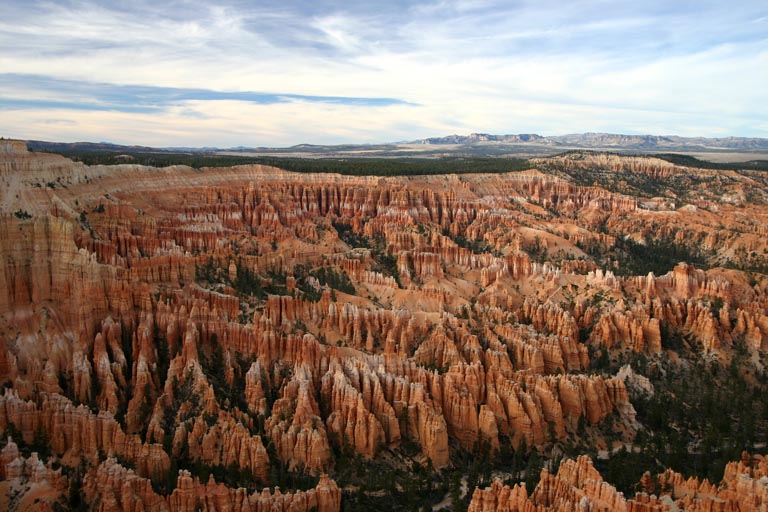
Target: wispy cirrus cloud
x: 406, y: 68
x: 36, y: 91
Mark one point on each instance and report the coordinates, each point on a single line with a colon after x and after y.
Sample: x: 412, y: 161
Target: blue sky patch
x: 79, y: 95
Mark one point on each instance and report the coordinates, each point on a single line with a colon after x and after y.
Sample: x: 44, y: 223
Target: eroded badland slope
x: 251, y: 339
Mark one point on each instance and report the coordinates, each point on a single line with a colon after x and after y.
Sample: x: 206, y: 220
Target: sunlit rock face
x: 184, y: 337
x: 577, y: 486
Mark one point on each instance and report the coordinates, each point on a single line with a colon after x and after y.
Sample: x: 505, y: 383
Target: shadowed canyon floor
x: 589, y: 334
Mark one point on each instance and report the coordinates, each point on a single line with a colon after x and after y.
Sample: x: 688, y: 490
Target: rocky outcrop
x: 114, y: 487
x: 744, y: 487
x: 653, y: 167
x: 350, y: 422
x: 501, y: 498
x: 628, y: 329
x: 578, y: 486
x: 190, y: 494
x: 223, y: 445
x: 537, y: 408
x: 575, y: 487
x: 76, y: 431
x: 255, y: 393
x: 28, y: 483
x: 541, y: 353
x: 295, y: 426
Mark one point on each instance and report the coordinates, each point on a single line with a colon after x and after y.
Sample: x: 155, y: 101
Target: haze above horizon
x: 283, y: 73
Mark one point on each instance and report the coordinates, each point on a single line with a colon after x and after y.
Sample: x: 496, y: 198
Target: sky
x: 279, y: 73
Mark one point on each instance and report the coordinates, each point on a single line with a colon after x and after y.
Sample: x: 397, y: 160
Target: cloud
x: 35, y: 91
x: 228, y: 122
x: 407, y: 69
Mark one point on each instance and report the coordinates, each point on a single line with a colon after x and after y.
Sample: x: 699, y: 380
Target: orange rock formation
x: 172, y: 318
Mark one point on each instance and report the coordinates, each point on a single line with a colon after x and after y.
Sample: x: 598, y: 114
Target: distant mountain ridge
x: 484, y: 137
x: 608, y: 140
x: 41, y: 145
x: 475, y: 144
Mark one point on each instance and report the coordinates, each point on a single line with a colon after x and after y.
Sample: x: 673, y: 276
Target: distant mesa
x: 610, y: 140
x: 484, y: 137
